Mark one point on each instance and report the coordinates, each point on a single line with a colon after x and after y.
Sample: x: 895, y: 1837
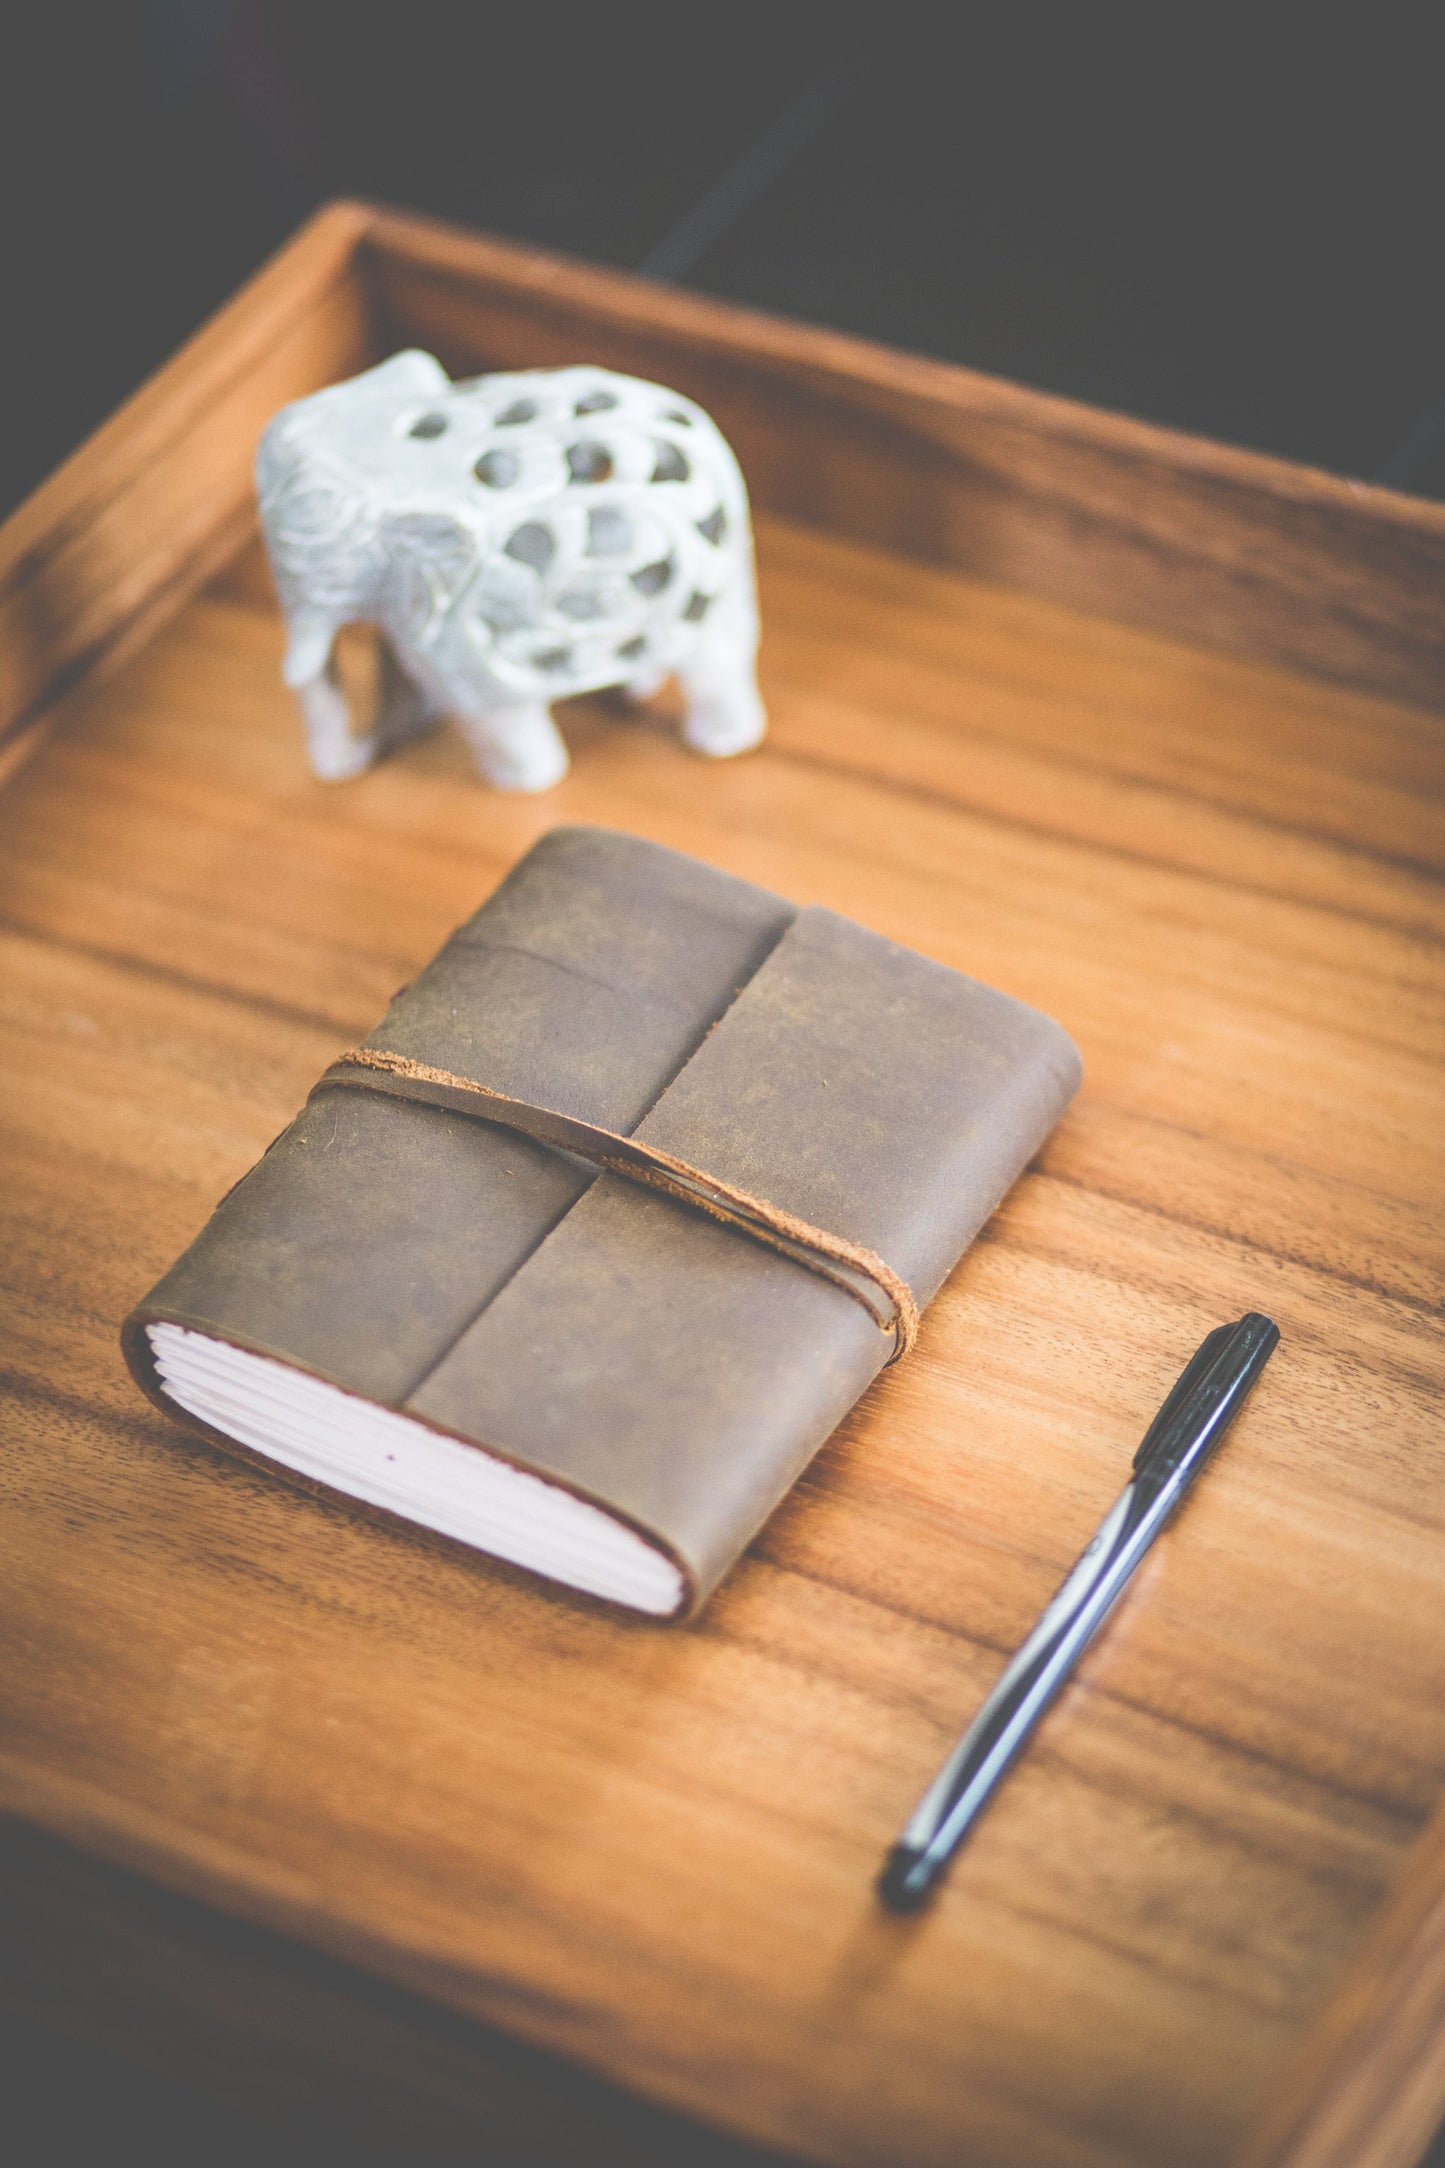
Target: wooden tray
x: 1133, y: 726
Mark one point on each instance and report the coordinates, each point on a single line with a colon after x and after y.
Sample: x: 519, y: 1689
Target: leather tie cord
x: 849, y: 1265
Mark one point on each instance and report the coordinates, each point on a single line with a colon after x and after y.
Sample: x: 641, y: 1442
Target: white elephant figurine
x: 516, y: 538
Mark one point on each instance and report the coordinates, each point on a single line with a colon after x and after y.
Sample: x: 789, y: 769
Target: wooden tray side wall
x: 1250, y: 554
x: 1367, y: 2089
x: 162, y: 495
x: 1240, y: 552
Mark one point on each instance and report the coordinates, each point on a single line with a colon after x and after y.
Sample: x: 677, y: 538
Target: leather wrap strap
x: 886, y: 1297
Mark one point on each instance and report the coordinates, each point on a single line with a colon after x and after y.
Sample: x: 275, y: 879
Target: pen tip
x: 907, y: 1879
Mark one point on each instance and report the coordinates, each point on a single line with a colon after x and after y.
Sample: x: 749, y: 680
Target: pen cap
x: 1207, y: 1394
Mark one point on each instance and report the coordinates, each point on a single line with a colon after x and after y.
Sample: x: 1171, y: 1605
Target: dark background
x: 1227, y: 219
x: 1224, y: 219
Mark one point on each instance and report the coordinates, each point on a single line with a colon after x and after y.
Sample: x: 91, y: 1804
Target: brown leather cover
x: 604, y: 1336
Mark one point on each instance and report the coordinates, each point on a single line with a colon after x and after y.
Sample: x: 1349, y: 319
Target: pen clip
x: 1199, y: 1362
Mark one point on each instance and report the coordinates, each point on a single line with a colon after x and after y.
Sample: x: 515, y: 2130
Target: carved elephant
x: 516, y: 538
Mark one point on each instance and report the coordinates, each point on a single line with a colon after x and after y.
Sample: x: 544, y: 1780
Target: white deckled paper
x: 389, y: 1460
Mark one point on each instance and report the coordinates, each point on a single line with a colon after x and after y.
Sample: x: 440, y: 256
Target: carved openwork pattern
x: 518, y: 538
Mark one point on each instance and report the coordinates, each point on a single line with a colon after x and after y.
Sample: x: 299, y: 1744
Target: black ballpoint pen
x: 1201, y: 1405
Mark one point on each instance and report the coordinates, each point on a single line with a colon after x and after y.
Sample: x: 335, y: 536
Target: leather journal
x: 580, y: 1258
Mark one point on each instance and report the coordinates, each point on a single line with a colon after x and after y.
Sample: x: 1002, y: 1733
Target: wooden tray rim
x: 1371, y: 2073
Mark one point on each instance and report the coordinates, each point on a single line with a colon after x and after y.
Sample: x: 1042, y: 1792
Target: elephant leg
x: 724, y: 713
x: 646, y: 685
x: 515, y: 743
x: 310, y: 670
x: 335, y: 753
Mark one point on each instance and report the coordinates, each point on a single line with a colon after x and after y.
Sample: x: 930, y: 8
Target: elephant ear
x: 321, y: 537
x: 429, y: 558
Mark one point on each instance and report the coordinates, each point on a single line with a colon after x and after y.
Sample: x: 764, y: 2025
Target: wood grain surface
x: 1183, y: 1928
x: 651, y: 1851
